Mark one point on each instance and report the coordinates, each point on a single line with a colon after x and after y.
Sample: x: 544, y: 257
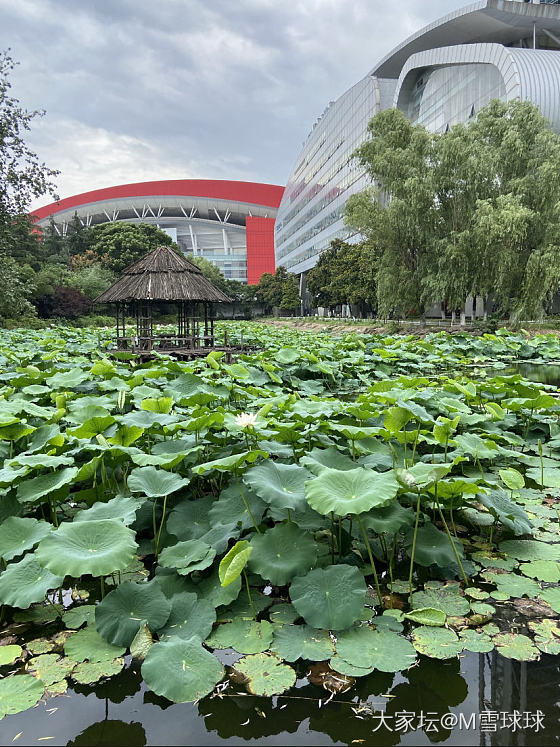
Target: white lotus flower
x: 246, y: 420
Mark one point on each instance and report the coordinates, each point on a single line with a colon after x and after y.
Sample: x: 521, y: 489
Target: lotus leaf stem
x: 371, y: 560
x: 453, y: 546
x: 160, y: 526
x: 413, y: 548
x: 249, y: 594
x: 246, y: 502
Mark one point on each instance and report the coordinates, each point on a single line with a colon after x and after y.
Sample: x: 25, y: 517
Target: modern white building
x: 442, y: 75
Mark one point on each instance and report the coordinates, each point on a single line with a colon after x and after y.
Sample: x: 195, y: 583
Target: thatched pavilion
x: 164, y: 276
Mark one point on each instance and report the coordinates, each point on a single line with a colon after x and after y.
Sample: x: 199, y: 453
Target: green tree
x: 290, y: 300
x: 91, y: 281
x: 119, y: 244
x: 14, y: 297
x: 23, y: 177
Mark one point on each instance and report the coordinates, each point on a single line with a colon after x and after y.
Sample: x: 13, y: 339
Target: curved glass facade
x: 311, y: 213
x: 444, y: 96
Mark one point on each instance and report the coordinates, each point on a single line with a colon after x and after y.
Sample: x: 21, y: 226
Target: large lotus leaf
x: 230, y: 507
x: 265, y: 674
x: 422, y: 474
x: 282, y: 552
x: 516, y: 585
x: 121, y: 507
x: 332, y: 598
x: 219, y: 535
x: 189, y: 617
x: 280, y: 485
x: 189, y: 519
x: 182, y: 671
x: 530, y: 550
x: 92, y: 427
x: 389, y: 519
x: 509, y: 513
x: 350, y: 492
x: 516, y: 646
x: 123, y: 611
x: 542, y: 570
x: 293, y: 642
x: 551, y: 597
x: 547, y: 636
x: 317, y: 459
x: 433, y: 547
x: 192, y: 555
x: 50, y: 668
x: 211, y: 589
x: 242, y: 607
x: 245, y: 636
x: 18, y: 692
x: 33, y: 490
x: 93, y: 547
x: 479, y: 448
x: 9, y: 653
x: 18, y: 535
x: 437, y: 643
x: 26, y: 582
x: 41, y: 460
x: 68, y: 379
x: 548, y: 477
x: 427, y: 616
x: 446, y: 598
x: 381, y: 649
x: 88, y: 672
x: 512, y: 478
x: 77, y: 616
x: 88, y: 644
x: 155, y: 483
x: 478, y: 642
x: 231, y: 463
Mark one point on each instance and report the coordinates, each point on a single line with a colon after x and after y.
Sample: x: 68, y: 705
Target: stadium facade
x: 440, y: 76
x: 230, y: 223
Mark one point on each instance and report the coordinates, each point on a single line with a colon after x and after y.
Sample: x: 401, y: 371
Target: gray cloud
x: 140, y: 90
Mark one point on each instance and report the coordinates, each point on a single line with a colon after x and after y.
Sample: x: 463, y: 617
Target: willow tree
x: 472, y: 211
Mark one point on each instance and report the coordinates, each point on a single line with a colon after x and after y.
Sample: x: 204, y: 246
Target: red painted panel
x: 251, y: 192
x: 260, y: 248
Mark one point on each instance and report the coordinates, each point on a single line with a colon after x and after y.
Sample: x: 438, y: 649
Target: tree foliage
x: 470, y: 211
x: 280, y: 290
x: 120, y: 244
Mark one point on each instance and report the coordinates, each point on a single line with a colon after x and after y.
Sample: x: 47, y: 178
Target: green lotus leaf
x: 141, y: 643
x: 317, y: 459
x: 18, y: 692
x: 283, y: 614
x: 353, y: 432
x: 15, y: 431
x: 18, y: 535
x: 31, y: 491
x: 231, y: 463
x: 348, y: 670
x: 189, y: 617
x: 77, y: 616
x: 211, y: 588
x: 422, y: 474
x: 437, y: 643
x: 292, y: 642
x: 88, y: 672
x: 350, y: 492
x: 155, y: 483
x: 478, y: 642
x: 512, y: 478
x: 126, y: 435
x: 494, y: 561
x: 530, y: 550
x: 427, y: 616
x: 185, y: 557
x: 26, y: 582
x: 230, y: 507
x: 243, y: 609
x: 219, y: 535
x: 9, y: 653
x: 50, y: 668
x: 516, y: 646
x: 39, y: 613
x: 181, y: 671
x: 88, y: 644
x: 121, y: 507
x: 388, y: 520
x: 479, y: 448
x: 507, y: 511
x: 190, y: 518
x: 515, y: 585
x: 92, y: 427
x: 542, y: 570
x: 384, y: 650
x: 40, y: 646
x: 282, y: 552
x: 280, y: 485
x: 233, y: 563
x: 266, y: 674
x: 96, y: 547
x: 68, y: 379
x: 552, y: 597
x: 481, y: 608
x: 159, y: 404
x: 396, y: 418
x: 547, y: 636
x: 46, y: 461
x: 548, y: 477
x: 445, y: 598
x: 332, y: 598
x: 245, y: 636
x: 433, y: 547
x: 122, y: 613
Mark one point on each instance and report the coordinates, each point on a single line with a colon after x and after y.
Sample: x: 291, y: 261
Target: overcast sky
x: 223, y: 89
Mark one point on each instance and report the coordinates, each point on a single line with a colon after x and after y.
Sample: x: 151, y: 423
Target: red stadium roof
x: 253, y: 193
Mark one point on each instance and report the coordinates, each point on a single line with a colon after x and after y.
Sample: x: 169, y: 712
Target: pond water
x: 482, y: 699
x: 545, y: 373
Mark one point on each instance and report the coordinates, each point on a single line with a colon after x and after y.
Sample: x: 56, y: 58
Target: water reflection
x: 543, y: 373
x: 109, y: 733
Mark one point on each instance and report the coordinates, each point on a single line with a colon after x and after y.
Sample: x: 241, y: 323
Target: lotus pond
x: 326, y: 531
